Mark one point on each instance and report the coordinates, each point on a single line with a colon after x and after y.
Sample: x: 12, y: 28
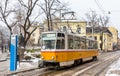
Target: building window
x: 78, y: 30
x: 95, y: 37
x: 64, y: 28
x: 33, y: 34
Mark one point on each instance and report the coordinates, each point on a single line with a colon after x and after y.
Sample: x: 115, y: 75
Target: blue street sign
x: 13, y: 52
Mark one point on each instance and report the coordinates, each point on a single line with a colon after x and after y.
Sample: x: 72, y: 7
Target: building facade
x: 35, y: 36
x: 114, y: 32
x: 102, y: 35
x: 106, y: 36
x: 73, y: 26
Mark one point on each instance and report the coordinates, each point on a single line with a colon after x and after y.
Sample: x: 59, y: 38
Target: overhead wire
x: 100, y: 7
x: 103, y: 11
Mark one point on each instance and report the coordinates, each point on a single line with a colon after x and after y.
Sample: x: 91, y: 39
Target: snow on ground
x: 35, y: 60
x: 114, y: 69
x: 33, y: 63
x: 25, y: 65
x: 28, y: 64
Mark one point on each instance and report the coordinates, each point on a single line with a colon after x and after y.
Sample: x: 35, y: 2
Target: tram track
x: 97, y: 69
x: 88, y: 68
x: 29, y: 72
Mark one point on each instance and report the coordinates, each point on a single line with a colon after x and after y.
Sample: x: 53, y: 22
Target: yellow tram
x: 63, y: 49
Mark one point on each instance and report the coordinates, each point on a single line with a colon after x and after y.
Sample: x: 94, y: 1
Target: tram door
x: 60, y: 45
x: 70, y: 47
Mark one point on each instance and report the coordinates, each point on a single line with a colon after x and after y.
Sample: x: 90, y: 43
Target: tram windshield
x: 48, y: 41
x: 53, y: 41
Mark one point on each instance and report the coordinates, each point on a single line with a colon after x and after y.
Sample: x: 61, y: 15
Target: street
x: 88, y: 68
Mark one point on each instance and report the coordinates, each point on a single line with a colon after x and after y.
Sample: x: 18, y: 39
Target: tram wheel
x: 77, y: 62
x: 57, y: 67
x: 94, y: 58
x: 81, y: 61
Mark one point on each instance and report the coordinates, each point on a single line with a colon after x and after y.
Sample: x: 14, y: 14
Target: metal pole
x: 92, y: 32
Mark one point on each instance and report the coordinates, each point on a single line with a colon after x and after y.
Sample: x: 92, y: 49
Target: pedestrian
x: 2, y: 48
x: 5, y: 48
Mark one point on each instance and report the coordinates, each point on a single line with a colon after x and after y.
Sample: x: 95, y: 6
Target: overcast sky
x: 83, y: 6
x: 101, y: 7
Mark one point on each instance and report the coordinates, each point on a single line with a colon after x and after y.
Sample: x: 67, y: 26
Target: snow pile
x: 114, y: 69
x: 28, y: 54
x: 33, y: 62
x: 26, y: 65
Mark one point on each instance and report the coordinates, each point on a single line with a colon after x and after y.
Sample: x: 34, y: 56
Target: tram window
x: 60, y: 44
x: 90, y: 44
x: 83, y: 43
x: 95, y: 46
x: 63, y: 44
x: 61, y: 35
x: 49, y: 44
x: 70, y: 42
x: 87, y: 44
x: 76, y: 43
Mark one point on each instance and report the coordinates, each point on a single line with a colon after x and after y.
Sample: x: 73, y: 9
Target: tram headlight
x: 42, y: 57
x: 53, y: 57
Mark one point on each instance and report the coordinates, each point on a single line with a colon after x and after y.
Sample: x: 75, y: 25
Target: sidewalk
x: 3, y: 56
x: 24, y: 65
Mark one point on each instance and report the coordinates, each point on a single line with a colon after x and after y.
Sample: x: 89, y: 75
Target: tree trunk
x: 21, y: 53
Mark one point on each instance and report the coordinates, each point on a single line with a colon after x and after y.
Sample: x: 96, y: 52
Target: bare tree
x: 104, y: 21
x: 93, y: 19
x: 4, y: 36
x: 26, y: 19
x: 1, y: 40
x: 23, y: 16
x: 97, y: 21
x: 5, y: 13
x: 50, y: 7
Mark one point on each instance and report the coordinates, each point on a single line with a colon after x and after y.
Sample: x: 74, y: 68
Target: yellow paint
x: 73, y: 25
x: 68, y: 56
x: 114, y: 32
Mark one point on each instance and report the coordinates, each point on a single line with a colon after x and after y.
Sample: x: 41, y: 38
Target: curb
x: 5, y: 59
x: 16, y: 72
x: 1, y: 60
